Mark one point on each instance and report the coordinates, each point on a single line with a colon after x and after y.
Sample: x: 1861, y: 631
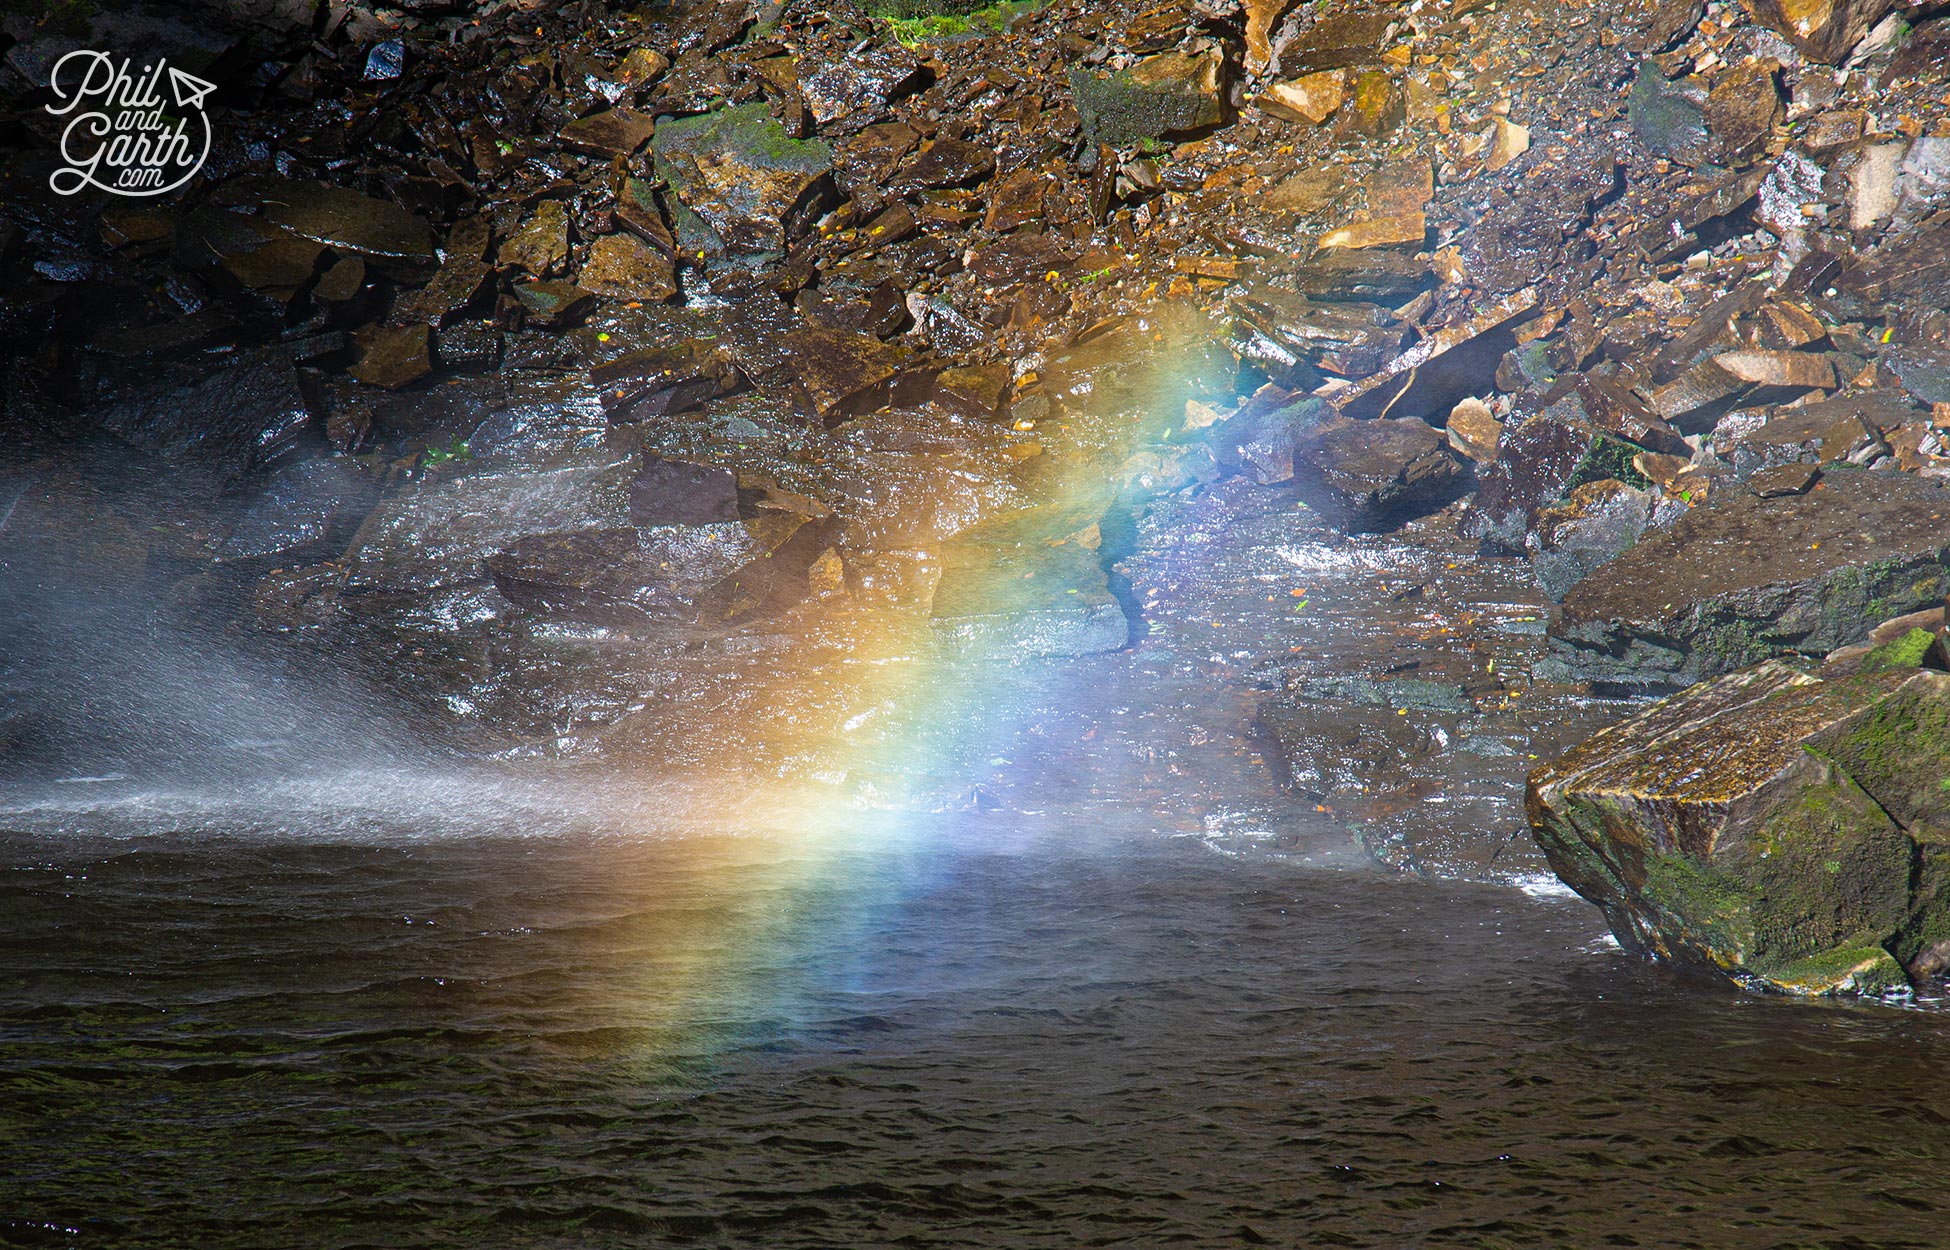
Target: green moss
x: 1905, y: 652
x: 1828, y: 868
x: 918, y: 21
x: 1699, y: 911
x: 1607, y: 458
x: 1899, y: 749
x: 1858, y: 969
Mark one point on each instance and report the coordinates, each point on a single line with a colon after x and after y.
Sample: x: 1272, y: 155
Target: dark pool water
x: 959, y: 1030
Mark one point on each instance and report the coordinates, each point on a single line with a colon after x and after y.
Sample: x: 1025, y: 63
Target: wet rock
x: 467, y: 346
x: 675, y: 492
x: 609, y: 134
x: 1311, y: 99
x: 622, y: 266
x: 1342, y: 39
x: 830, y: 374
x: 1450, y: 365
x: 393, y: 357
x: 1369, y: 475
x: 946, y: 163
x: 1742, y: 579
x: 641, y: 66
x: 1295, y: 340
x: 541, y: 246
x: 742, y: 183
x: 1258, y: 439
x: 857, y: 87
x: 1260, y: 18
x: 1765, y: 824
x: 1670, y: 117
x: 229, y: 423
x: 1168, y: 94
x: 1306, y: 192
x: 972, y: 390
x: 553, y: 304
x: 523, y: 472
x: 1508, y: 143
x: 1700, y: 396
x: 1473, y: 430
x: 1408, y: 231
x: 1923, y: 371
x: 1848, y: 429
x: 1787, y: 371
x: 1826, y: 30
x: 868, y: 160
x: 1375, y: 108
x: 621, y: 578
x: 1364, y: 275
x: 1874, y: 181
x: 1538, y: 463
x: 386, y: 61
x: 384, y: 235
x: 269, y: 267
x: 341, y: 287
x: 1664, y: 24
x: 662, y: 381
x: 1612, y: 407
x: 1027, y: 584
x: 1784, y: 479
x: 459, y: 289
x: 1587, y: 528
x: 1909, y: 270
x: 1741, y: 112
x: 299, y: 513
x: 1015, y: 201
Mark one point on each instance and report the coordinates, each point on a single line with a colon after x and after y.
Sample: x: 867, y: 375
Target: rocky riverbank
x: 602, y: 381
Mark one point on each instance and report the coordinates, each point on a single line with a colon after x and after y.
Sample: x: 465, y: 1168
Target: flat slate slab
x: 1742, y: 579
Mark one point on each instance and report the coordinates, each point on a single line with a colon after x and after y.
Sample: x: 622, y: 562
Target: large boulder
x: 1743, y: 578
x: 1788, y: 830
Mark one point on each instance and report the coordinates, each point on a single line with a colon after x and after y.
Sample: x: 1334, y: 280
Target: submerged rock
x: 1778, y: 827
x: 1743, y: 578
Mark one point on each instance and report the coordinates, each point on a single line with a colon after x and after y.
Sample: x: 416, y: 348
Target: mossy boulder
x: 1742, y: 579
x: 1789, y: 831
x: 1167, y: 94
x: 742, y: 185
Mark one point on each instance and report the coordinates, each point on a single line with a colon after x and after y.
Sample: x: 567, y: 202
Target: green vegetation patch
x: 918, y: 21
x: 1905, y: 652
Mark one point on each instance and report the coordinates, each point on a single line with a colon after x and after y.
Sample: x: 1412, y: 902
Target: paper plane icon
x: 189, y: 89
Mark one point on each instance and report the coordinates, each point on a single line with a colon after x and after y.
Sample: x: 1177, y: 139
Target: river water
x: 1090, y: 980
